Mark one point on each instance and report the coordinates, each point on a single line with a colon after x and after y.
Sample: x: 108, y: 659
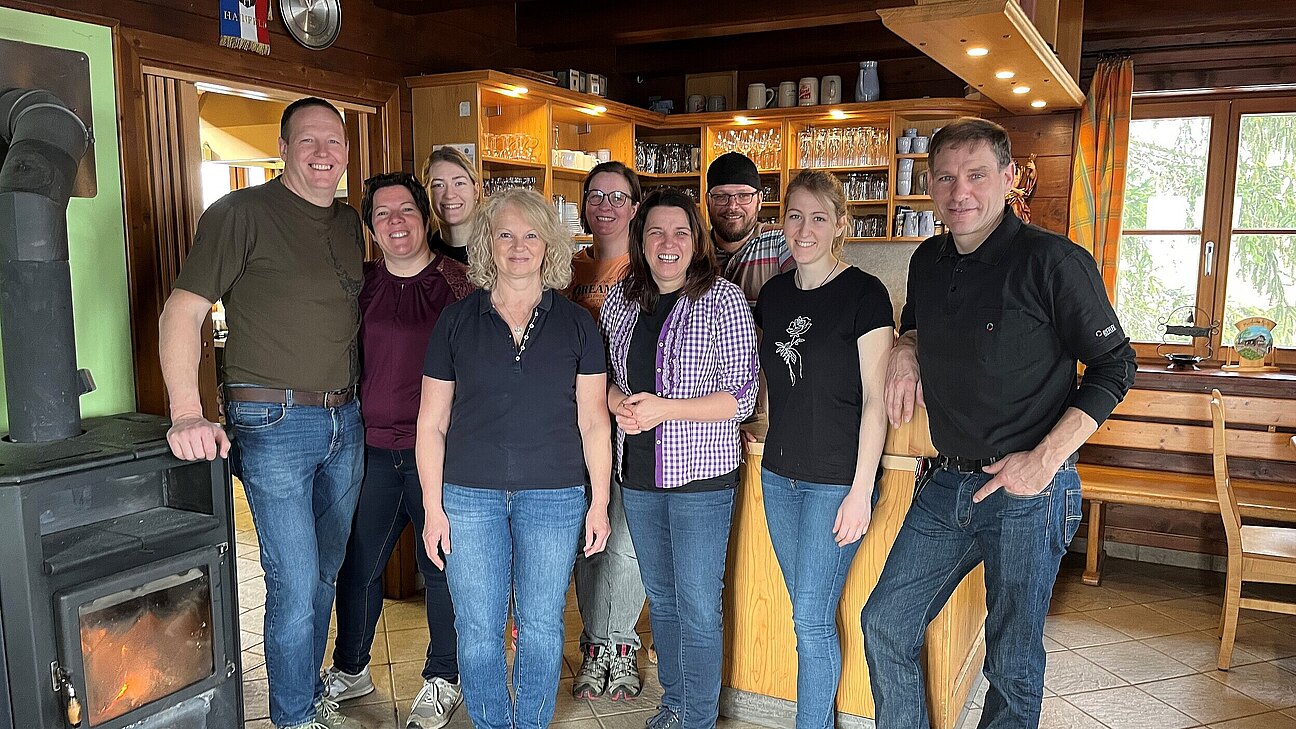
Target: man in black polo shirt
x: 998, y: 314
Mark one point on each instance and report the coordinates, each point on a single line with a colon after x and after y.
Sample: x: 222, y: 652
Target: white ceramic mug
x: 604, y: 154
x: 696, y: 104
x: 920, y: 144
x: 715, y: 103
x: 808, y: 91
x: 830, y: 90
x: 904, y: 144
x: 787, y: 94
x: 759, y: 97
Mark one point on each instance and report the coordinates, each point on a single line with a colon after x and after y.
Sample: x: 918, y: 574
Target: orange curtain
x: 1098, y: 169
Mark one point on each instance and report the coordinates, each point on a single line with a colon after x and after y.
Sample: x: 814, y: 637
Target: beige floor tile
x: 1142, y: 589
x: 1287, y: 663
x: 406, y: 614
x: 406, y: 680
x: 569, y: 709
x: 727, y: 723
x: 578, y: 724
x: 1199, y: 650
x: 407, y: 645
x: 1272, y: 720
x: 251, y: 594
x: 1264, y: 641
x: 250, y: 660
x: 374, y: 716
x: 649, y: 698
x: 1070, y: 673
x: 1204, y: 699
x: 1056, y: 713
x: 256, y: 700
x: 1051, y: 645
x: 1079, y: 596
x: 978, y: 696
x: 255, y: 674
x: 1201, y: 612
x: 632, y: 720
x: 1264, y: 682
x: 1130, y: 708
x: 248, y: 569
x: 382, y: 693
x: 248, y: 639
x: 971, y: 719
x: 1078, y: 630
x: 259, y: 724
x: 1135, y: 662
x: 1138, y: 621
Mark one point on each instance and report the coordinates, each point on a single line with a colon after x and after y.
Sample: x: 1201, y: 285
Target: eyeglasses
x: 616, y: 198
x: 721, y: 199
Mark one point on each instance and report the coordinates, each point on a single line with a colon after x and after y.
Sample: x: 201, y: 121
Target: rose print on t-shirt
x: 788, y: 351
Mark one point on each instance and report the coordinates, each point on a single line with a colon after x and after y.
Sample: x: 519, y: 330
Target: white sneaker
x: 342, y: 686
x: 434, y: 705
x: 328, y: 717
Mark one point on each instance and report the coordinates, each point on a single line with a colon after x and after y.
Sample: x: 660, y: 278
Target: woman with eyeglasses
x: 682, y: 353
x: 609, y: 592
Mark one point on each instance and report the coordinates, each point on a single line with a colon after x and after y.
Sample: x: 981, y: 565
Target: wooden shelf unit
x: 461, y: 108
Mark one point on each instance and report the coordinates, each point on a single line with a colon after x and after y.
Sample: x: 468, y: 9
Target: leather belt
x: 309, y: 398
x: 974, y: 465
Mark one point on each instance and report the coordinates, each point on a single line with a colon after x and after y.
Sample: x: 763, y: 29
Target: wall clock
x: 312, y: 23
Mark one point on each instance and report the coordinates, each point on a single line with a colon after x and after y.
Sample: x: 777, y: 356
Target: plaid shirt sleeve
x: 735, y: 332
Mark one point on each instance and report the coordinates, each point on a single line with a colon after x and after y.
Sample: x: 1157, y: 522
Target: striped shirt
x: 764, y: 256
x: 706, y: 346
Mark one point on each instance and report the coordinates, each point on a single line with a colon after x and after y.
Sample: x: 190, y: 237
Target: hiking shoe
x: 327, y: 716
x: 592, y: 678
x: 623, y: 681
x: 342, y: 686
x: 434, y: 705
x: 664, y: 719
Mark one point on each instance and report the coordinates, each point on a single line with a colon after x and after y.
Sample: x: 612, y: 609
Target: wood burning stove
x: 118, y: 595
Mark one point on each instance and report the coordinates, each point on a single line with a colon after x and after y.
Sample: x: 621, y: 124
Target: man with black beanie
x: 749, y: 253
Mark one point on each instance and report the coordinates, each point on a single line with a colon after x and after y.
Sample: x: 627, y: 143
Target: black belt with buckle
x: 309, y: 398
x: 963, y: 465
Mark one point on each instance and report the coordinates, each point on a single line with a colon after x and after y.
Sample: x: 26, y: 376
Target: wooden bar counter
x: 760, y: 646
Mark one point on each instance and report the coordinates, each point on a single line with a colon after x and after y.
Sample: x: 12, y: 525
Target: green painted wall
x: 96, y: 229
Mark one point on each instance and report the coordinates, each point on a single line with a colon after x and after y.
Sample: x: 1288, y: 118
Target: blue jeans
x: 682, y: 541
x: 390, y: 498
x: 301, y: 468
x: 800, y: 515
x: 521, y: 543
x: 945, y: 536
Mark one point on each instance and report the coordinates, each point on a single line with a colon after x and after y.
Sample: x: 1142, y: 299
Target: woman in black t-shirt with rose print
x: 827, y: 330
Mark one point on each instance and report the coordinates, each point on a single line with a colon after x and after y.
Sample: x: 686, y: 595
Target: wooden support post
x: 1094, y: 551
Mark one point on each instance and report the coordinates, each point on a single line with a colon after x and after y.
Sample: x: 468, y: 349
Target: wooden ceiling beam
x: 430, y: 7
x: 543, y: 25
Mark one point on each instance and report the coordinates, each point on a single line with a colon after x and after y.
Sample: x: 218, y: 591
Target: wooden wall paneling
x: 433, y: 124
x: 1243, y: 410
x: 1193, y: 439
x: 1050, y: 137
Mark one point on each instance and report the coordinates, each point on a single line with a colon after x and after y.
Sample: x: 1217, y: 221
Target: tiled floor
x: 1136, y: 653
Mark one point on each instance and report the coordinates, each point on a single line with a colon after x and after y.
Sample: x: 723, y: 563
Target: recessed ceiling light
x: 977, y: 51
x: 837, y: 114
x: 1021, y: 89
x: 1004, y: 74
x: 1039, y: 103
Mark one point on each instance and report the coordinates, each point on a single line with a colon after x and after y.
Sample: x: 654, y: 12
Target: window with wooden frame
x: 1209, y: 223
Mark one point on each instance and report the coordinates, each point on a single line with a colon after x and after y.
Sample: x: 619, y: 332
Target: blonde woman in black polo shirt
x: 827, y: 333
x: 513, y: 414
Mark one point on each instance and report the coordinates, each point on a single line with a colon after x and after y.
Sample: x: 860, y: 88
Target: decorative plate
x: 312, y: 23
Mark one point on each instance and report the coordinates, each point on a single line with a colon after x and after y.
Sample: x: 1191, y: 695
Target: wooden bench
x: 1155, y: 451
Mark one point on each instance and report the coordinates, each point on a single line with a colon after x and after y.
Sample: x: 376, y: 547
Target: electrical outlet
x: 465, y: 108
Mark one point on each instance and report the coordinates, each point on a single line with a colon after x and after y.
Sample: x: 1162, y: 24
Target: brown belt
x: 334, y: 399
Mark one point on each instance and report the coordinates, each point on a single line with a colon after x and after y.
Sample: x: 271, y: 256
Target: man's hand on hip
x: 1023, y: 473
x: 903, y: 385
x: 194, y: 438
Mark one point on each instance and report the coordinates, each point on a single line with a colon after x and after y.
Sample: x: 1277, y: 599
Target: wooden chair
x: 1255, y: 553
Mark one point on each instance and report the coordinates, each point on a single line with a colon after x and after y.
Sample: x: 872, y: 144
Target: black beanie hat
x: 732, y: 168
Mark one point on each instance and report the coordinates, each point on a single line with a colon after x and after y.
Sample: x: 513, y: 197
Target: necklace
x: 825, y: 278
x: 516, y: 329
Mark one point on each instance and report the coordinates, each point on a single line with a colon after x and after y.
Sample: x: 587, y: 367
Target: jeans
x: 682, y: 541
x: 390, y: 498
x: 609, y: 591
x: 800, y: 515
x: 301, y: 468
x: 521, y: 543
x: 945, y: 535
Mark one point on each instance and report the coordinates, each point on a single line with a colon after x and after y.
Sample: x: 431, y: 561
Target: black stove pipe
x: 45, y: 141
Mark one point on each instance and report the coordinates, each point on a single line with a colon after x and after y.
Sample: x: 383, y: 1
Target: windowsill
x: 1154, y: 375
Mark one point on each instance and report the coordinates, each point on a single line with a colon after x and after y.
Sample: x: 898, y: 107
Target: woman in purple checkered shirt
x: 682, y: 351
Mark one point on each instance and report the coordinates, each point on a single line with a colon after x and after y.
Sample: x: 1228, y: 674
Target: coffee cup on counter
x: 759, y: 97
x: 696, y: 104
x: 787, y: 94
x: 715, y: 103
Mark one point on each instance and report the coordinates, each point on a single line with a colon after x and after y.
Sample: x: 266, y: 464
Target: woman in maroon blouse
x: 403, y: 295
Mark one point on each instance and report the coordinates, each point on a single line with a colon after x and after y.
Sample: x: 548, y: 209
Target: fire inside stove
x: 145, y: 643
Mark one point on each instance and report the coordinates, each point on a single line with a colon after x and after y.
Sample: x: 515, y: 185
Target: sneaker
x: 664, y: 719
x: 623, y: 681
x: 434, y: 705
x: 327, y: 716
x: 342, y: 686
x: 592, y: 678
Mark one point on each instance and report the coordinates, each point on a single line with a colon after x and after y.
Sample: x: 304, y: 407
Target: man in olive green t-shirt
x: 286, y: 259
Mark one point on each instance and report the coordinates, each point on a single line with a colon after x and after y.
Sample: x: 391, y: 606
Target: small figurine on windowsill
x: 1253, y: 349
